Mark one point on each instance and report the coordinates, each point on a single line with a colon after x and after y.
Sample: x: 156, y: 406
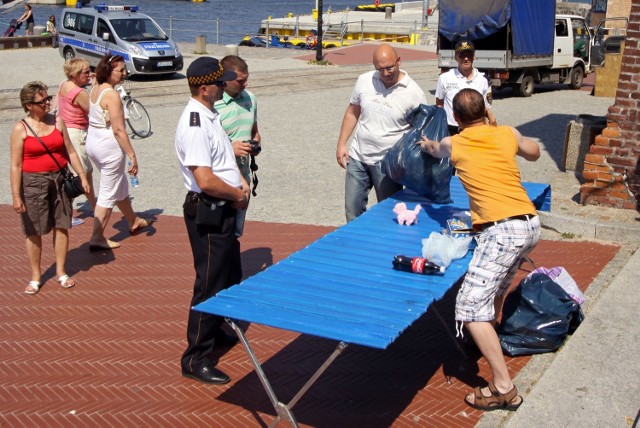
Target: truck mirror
x: 106, y: 36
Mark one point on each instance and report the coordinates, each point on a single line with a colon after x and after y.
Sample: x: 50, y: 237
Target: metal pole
x: 267, y: 34
x: 217, y: 31
x: 171, y: 27
x: 319, y: 44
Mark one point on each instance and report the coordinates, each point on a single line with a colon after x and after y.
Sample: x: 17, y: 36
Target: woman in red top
x: 36, y: 181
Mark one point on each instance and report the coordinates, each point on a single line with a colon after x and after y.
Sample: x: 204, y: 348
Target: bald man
x: 378, y: 109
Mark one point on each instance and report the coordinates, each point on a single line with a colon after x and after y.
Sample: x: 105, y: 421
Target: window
x: 561, y: 29
x: 104, y: 28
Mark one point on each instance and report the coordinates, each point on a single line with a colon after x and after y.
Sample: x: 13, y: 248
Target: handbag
x: 72, y: 184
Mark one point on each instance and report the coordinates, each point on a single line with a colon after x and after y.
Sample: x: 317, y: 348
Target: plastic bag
x: 537, y: 317
x: 405, y: 163
x: 442, y: 249
x: 560, y: 276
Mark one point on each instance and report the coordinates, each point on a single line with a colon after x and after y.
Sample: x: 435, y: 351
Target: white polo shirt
x: 452, y: 82
x: 201, y: 141
x: 383, y: 114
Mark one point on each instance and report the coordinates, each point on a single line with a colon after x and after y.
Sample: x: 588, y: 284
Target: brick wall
x: 611, y: 168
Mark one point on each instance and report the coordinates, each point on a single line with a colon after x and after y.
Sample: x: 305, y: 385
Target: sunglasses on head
x: 43, y: 101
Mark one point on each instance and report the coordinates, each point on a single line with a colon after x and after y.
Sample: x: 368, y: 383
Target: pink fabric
x: 72, y: 115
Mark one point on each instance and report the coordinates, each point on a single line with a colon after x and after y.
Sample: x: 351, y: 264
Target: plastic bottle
x: 133, y: 179
x: 416, y: 265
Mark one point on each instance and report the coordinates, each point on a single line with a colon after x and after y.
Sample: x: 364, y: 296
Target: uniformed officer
x: 210, y: 174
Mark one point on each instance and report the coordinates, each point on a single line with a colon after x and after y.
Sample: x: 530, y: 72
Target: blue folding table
x: 343, y: 287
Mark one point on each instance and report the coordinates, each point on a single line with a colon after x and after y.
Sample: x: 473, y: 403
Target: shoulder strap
x: 43, y: 144
x: 102, y: 94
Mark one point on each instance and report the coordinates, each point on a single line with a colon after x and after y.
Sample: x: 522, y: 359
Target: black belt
x: 523, y: 217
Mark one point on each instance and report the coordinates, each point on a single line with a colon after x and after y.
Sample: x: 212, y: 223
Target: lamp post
x: 319, y: 43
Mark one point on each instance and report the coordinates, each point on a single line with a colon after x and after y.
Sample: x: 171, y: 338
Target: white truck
x: 520, y: 43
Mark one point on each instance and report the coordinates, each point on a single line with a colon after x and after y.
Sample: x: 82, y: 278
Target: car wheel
x: 69, y: 54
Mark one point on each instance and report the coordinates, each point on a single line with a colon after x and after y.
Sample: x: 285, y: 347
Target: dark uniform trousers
x: 216, y: 259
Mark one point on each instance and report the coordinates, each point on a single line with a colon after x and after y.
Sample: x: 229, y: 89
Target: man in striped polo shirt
x: 239, y: 117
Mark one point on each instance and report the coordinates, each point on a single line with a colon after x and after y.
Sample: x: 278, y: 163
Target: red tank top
x: 36, y: 159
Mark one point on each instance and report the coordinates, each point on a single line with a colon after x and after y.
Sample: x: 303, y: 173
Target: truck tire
x: 576, y: 77
x: 525, y: 88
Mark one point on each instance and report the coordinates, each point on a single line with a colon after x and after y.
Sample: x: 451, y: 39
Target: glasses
x: 85, y: 72
x: 43, y: 101
x: 466, y: 54
x: 220, y: 84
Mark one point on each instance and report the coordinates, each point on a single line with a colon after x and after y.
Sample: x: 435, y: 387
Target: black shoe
x: 225, y: 340
x: 208, y: 375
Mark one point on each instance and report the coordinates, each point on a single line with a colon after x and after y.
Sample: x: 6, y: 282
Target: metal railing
x: 215, y: 29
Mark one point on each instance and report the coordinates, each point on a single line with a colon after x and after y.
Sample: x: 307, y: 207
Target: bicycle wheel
x: 138, y: 118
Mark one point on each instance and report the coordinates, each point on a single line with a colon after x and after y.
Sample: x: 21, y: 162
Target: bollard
x: 201, y: 45
x: 231, y: 50
x: 387, y: 12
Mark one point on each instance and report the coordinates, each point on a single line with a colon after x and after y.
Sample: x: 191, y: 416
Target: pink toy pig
x: 405, y: 216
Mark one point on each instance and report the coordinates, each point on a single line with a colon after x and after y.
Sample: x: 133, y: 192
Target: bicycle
x: 134, y: 112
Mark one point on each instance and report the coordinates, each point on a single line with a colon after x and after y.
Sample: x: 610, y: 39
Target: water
x: 236, y: 17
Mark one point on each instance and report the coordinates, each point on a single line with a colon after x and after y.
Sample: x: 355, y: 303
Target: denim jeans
x: 358, y: 182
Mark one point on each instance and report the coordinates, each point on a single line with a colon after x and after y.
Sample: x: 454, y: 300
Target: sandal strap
x: 506, y: 398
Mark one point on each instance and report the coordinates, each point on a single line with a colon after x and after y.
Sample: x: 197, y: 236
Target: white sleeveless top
x: 98, y: 117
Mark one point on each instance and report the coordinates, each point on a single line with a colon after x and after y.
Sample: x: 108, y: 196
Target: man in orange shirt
x: 485, y: 159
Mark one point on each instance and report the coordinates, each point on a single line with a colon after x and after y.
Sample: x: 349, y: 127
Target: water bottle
x: 416, y: 265
x: 133, y: 179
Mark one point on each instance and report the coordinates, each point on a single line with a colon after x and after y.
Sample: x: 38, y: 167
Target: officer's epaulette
x: 194, y: 120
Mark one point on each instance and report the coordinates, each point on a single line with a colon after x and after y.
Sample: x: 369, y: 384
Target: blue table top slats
x: 343, y: 286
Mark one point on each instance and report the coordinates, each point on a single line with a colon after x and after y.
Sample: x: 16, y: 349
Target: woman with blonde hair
x: 73, y: 108
x: 39, y: 143
x: 107, y: 145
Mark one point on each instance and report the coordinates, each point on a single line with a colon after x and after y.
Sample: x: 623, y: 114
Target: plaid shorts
x: 501, y: 248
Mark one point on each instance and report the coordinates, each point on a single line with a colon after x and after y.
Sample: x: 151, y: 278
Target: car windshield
x: 137, y: 30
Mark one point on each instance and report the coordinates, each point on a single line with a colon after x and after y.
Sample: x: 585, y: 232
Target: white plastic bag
x: 442, y: 249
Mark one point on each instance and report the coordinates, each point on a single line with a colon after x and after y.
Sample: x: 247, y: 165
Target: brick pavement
x: 106, y: 353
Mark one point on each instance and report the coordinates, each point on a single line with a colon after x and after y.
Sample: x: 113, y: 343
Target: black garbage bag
x: 406, y: 164
x: 537, y: 317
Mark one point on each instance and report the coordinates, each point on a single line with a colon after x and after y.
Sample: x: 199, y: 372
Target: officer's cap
x: 465, y: 46
x: 207, y: 71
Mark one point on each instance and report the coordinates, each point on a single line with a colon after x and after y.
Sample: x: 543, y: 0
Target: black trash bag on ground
x: 537, y: 317
x: 406, y: 164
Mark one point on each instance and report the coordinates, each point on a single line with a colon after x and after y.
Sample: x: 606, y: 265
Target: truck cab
x: 91, y: 33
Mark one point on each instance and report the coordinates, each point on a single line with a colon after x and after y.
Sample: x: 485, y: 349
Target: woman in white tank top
x: 107, y: 144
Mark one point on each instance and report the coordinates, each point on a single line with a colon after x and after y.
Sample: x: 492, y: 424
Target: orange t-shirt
x: 485, y: 160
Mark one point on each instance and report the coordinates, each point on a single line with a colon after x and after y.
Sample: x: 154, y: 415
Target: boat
x: 276, y: 41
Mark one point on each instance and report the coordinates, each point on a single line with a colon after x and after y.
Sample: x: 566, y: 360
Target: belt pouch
x: 210, y: 210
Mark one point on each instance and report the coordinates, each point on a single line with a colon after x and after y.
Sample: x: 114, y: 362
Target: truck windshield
x: 137, y: 30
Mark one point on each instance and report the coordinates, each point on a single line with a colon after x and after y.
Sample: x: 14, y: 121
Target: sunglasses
x: 220, y: 84
x: 43, y: 101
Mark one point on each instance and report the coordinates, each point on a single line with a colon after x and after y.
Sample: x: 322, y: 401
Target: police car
x: 91, y: 33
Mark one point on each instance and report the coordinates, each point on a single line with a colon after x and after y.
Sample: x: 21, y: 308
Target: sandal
x: 33, y: 287
x: 66, y: 281
x: 496, y: 401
